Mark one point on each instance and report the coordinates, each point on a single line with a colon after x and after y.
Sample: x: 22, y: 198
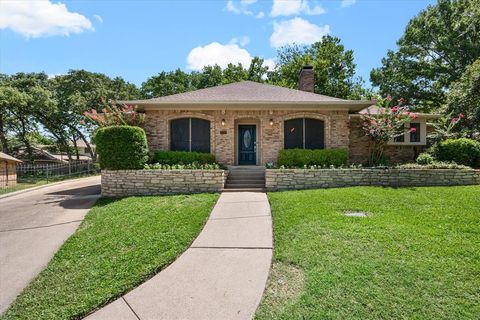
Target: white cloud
x: 242, y: 9
x: 260, y: 15
x: 296, y: 30
x: 247, y: 2
x: 41, y: 18
x: 347, y: 3
x: 243, y: 41
x: 221, y: 54
x: 98, y: 18
x: 294, y: 7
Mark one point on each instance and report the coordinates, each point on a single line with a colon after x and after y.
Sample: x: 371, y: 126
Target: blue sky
x: 138, y: 39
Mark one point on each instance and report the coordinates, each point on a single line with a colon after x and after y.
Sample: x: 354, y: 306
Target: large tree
x: 332, y: 64
x: 434, y: 51
x: 178, y: 81
x: 464, y: 98
x: 79, y: 91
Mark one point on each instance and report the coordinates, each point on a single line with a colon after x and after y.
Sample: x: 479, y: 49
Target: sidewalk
x: 221, y: 276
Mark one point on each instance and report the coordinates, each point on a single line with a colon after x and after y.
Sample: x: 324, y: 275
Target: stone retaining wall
x: 120, y: 183
x: 288, y: 179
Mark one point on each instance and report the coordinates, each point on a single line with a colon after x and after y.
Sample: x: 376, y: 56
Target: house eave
x: 354, y: 105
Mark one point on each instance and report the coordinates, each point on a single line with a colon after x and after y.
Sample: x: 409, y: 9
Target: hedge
x: 461, y: 151
x: 182, y: 157
x: 121, y: 147
x: 297, y: 158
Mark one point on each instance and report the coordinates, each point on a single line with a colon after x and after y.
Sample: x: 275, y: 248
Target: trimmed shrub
x: 298, y: 158
x: 425, y: 158
x: 462, y: 151
x: 182, y: 157
x: 121, y: 147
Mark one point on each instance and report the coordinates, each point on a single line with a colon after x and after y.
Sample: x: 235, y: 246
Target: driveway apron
x: 221, y: 276
x: 33, y: 226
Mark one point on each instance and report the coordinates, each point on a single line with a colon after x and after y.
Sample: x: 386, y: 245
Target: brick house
x: 248, y: 123
x: 8, y: 170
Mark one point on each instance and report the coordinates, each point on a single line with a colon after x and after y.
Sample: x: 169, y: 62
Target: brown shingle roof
x: 4, y: 156
x: 248, y: 92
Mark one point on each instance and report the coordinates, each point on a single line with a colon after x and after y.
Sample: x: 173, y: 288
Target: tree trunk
x: 3, y: 138
x: 82, y: 136
x: 74, y: 141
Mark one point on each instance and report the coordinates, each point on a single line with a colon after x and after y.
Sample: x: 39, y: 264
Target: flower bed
x: 121, y: 183
x: 289, y: 179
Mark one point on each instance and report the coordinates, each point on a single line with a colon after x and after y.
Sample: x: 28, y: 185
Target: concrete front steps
x: 245, y: 178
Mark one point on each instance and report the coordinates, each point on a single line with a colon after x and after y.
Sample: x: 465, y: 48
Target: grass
x: 120, y: 244
x: 25, y: 183
x: 416, y: 255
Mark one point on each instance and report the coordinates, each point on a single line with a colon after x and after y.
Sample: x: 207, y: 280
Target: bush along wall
x: 182, y: 157
x: 298, y: 158
x: 121, y: 147
x: 461, y: 151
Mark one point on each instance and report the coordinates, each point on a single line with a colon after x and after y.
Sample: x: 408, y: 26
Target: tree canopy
x: 332, y: 64
x: 434, y: 51
x: 464, y: 98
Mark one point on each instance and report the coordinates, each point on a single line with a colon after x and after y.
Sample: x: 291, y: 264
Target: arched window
x: 304, y: 133
x: 190, y: 134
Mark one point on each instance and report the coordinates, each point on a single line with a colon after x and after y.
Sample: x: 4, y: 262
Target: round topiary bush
x: 425, y: 158
x: 461, y: 151
x: 121, y: 147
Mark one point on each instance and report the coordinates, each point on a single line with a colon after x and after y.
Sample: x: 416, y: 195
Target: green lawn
x: 120, y: 244
x: 416, y: 255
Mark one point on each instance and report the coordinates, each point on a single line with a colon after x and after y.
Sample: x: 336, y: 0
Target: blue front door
x: 247, y: 145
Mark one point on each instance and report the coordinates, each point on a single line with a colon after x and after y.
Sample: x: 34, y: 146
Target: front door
x: 247, y: 145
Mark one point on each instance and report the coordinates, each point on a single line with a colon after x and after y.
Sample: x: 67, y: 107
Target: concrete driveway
x: 33, y: 226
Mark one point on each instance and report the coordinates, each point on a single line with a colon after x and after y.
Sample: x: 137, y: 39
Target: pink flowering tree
x: 443, y: 128
x: 384, y: 123
x: 115, y: 115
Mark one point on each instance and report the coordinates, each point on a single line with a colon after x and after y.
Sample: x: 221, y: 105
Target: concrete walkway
x: 221, y: 276
x: 33, y: 226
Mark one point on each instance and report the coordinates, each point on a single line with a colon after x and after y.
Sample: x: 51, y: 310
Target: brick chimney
x: 306, y: 79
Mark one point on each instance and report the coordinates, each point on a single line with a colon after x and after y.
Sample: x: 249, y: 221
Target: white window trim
x: 406, y: 142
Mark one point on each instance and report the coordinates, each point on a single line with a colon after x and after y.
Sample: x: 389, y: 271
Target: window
x: 415, y: 136
x: 190, y: 134
x: 304, y: 133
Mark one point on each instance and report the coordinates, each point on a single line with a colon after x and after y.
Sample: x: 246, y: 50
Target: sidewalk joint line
x: 242, y: 201
x: 130, y: 307
x: 41, y: 227
x: 228, y: 218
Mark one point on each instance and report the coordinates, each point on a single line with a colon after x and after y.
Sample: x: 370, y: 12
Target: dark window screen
x: 314, y: 134
x: 179, y: 134
x: 293, y: 134
x: 200, y: 135
x: 415, y: 136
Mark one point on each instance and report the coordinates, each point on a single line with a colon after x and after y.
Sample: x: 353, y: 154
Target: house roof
x: 374, y: 110
x: 4, y: 156
x: 249, y: 92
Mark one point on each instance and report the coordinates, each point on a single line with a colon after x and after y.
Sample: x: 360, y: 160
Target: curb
x: 12, y: 194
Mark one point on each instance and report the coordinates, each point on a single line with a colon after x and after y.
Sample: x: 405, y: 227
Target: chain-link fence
x: 29, y: 175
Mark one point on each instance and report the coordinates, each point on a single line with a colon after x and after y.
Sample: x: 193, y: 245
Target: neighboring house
x: 42, y: 156
x: 248, y: 123
x: 8, y: 170
x: 82, y: 148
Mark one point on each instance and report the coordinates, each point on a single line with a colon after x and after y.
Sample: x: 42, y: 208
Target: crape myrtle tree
x: 385, y: 125
x: 437, y: 46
